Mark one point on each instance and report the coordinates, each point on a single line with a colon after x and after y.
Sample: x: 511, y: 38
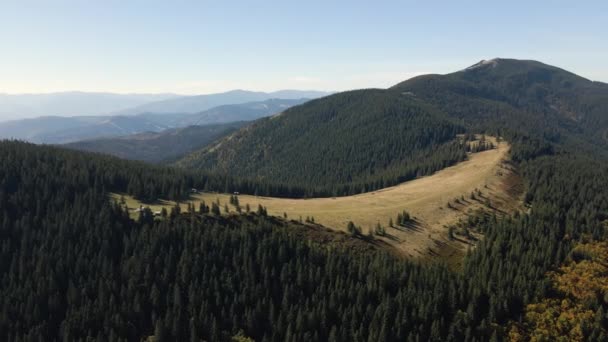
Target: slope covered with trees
x: 524, y: 97
x: 158, y: 147
x: 366, y: 139
x: 74, y: 265
x: 342, y: 144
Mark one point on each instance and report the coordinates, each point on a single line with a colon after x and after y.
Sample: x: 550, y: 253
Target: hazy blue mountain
x: 197, y: 103
x: 33, y: 129
x: 225, y: 113
x: 20, y: 106
x: 23, y: 106
x: 59, y: 130
x: 107, y: 127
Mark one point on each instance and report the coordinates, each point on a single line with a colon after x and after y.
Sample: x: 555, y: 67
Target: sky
x: 197, y: 47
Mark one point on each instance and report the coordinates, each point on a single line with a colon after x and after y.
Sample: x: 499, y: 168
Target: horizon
x: 192, y: 49
x: 161, y: 93
x: 74, y: 91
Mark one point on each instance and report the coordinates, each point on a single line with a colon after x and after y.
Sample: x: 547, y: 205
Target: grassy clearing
x: 133, y: 204
x: 426, y: 199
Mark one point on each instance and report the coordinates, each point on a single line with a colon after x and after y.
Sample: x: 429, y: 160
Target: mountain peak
x: 485, y: 63
x: 520, y: 75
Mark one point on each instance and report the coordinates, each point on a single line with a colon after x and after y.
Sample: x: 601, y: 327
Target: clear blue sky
x: 210, y: 46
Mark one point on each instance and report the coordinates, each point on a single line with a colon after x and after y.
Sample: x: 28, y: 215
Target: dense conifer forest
x: 74, y: 266
x: 343, y: 144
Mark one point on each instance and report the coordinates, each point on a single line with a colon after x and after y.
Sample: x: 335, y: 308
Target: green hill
x: 157, y: 147
x: 367, y: 139
x: 524, y: 96
x: 345, y: 143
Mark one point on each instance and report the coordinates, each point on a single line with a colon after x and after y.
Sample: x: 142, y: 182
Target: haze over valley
x: 154, y: 117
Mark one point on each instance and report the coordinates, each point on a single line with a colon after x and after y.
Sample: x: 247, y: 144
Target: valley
x: 156, y: 147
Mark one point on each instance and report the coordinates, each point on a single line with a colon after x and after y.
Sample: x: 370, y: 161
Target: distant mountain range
x: 158, y: 147
x: 195, y: 131
x: 224, y: 113
x: 23, y: 106
x: 197, y: 103
x: 58, y: 130
x: 20, y: 106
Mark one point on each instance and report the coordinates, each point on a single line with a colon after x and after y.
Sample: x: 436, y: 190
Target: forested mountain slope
x: 484, y: 183
x: 522, y: 96
x: 366, y: 139
x: 345, y: 143
x: 157, y: 147
x: 74, y: 266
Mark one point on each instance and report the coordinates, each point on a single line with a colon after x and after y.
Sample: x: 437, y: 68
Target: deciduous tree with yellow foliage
x: 578, y: 310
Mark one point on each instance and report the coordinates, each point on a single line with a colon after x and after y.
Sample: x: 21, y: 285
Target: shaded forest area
x: 74, y: 266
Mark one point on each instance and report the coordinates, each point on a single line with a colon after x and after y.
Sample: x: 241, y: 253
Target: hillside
x: 344, y: 143
x: 369, y: 137
x: 519, y: 95
x: 60, y: 130
x: 485, y: 182
x: 435, y: 201
x: 213, y: 267
x: 157, y: 147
